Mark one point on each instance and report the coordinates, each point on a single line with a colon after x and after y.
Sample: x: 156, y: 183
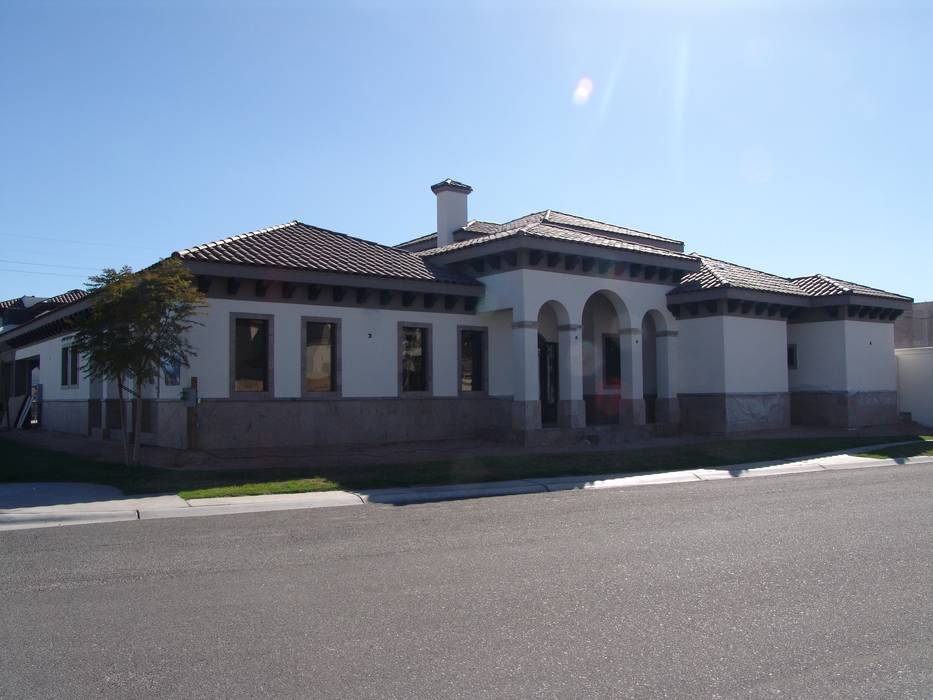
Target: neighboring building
x: 550, y: 326
x: 913, y: 338
x: 13, y: 313
x: 914, y: 329
x: 915, y: 383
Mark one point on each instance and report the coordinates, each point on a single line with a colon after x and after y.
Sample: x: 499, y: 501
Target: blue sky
x: 793, y: 137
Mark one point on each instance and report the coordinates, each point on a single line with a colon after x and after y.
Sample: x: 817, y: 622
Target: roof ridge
x: 745, y: 267
x: 235, y: 237
x: 627, y: 228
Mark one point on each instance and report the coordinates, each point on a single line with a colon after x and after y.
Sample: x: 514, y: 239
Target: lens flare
x: 581, y: 95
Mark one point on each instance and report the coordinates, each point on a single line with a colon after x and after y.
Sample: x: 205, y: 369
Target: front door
x: 547, y: 380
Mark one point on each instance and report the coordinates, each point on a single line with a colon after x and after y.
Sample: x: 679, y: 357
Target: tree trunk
x: 137, y: 421
x: 126, y: 445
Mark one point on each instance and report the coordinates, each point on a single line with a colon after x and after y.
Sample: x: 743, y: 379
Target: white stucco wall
x: 915, y: 383
x: 369, y: 348
x: 755, y: 355
x: 527, y: 290
x: 702, y: 356
x: 821, y: 363
x: 870, y: 359
x: 843, y: 355
x: 50, y: 370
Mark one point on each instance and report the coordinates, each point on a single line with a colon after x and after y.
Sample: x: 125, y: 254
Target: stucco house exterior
x: 546, y: 327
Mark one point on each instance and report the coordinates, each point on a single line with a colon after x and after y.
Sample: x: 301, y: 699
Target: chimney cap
x: 451, y: 185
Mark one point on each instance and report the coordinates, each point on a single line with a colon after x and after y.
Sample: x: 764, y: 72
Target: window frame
x: 270, y: 388
x: 792, y: 347
x: 429, y: 364
x: 605, y: 365
x: 484, y: 391
x: 337, y: 391
x: 70, y: 367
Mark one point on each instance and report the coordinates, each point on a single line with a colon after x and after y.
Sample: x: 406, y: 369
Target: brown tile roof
x: 823, y: 285
x: 69, y: 297
x: 542, y: 230
x: 473, y: 227
x: 718, y: 274
x: 296, y: 245
x: 556, y: 218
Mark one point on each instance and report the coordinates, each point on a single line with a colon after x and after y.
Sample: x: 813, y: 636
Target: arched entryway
x: 655, y: 365
x: 551, y: 317
x: 605, y: 319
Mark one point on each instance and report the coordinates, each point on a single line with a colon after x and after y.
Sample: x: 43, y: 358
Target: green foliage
x: 138, y: 322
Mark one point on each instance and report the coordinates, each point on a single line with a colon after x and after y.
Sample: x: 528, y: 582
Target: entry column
x: 667, y: 408
x: 571, y: 409
x: 526, y: 403
x: 632, y: 394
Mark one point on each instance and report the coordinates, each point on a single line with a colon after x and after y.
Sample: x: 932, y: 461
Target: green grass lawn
x: 21, y: 463
x: 918, y: 449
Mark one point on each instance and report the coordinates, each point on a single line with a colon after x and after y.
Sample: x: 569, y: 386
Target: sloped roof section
x: 823, y: 286
x: 69, y: 297
x: 717, y: 274
x: 547, y: 231
x: 298, y: 246
x: 556, y: 218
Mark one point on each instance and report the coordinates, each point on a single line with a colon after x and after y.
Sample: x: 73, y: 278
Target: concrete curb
x: 23, y: 521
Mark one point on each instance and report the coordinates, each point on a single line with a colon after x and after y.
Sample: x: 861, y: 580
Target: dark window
x: 612, y: 361
x: 414, y: 359
x: 472, y: 360
x: 251, y: 364
x: 320, y: 368
x: 792, y: 356
x: 69, y: 367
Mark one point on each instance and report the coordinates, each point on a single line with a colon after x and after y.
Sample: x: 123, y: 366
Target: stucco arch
x: 657, y: 353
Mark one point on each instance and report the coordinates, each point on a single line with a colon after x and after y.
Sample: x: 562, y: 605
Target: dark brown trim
x: 279, y: 274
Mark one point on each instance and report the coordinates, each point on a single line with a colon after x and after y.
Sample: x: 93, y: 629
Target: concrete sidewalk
x: 25, y: 506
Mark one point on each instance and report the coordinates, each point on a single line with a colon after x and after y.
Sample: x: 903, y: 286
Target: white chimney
x: 451, y: 209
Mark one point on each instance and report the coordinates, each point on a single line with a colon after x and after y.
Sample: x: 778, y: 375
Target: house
x: 549, y: 326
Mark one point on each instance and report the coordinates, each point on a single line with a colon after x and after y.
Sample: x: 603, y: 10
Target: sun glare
x: 581, y: 95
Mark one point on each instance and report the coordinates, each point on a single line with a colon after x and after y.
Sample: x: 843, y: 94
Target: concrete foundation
x: 66, y: 416
x: 631, y: 411
x: 257, y: 423
x: 571, y: 414
x: 842, y: 409
x: 667, y: 411
x: 526, y: 415
x: 728, y: 413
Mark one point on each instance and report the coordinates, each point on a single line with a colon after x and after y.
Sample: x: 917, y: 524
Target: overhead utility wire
x: 69, y: 267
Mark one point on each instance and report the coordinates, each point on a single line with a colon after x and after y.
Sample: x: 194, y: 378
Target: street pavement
x: 817, y: 584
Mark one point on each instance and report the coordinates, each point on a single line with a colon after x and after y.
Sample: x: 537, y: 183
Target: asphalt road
x: 811, y: 585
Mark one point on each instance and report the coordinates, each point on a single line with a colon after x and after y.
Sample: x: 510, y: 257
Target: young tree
x: 137, y: 324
